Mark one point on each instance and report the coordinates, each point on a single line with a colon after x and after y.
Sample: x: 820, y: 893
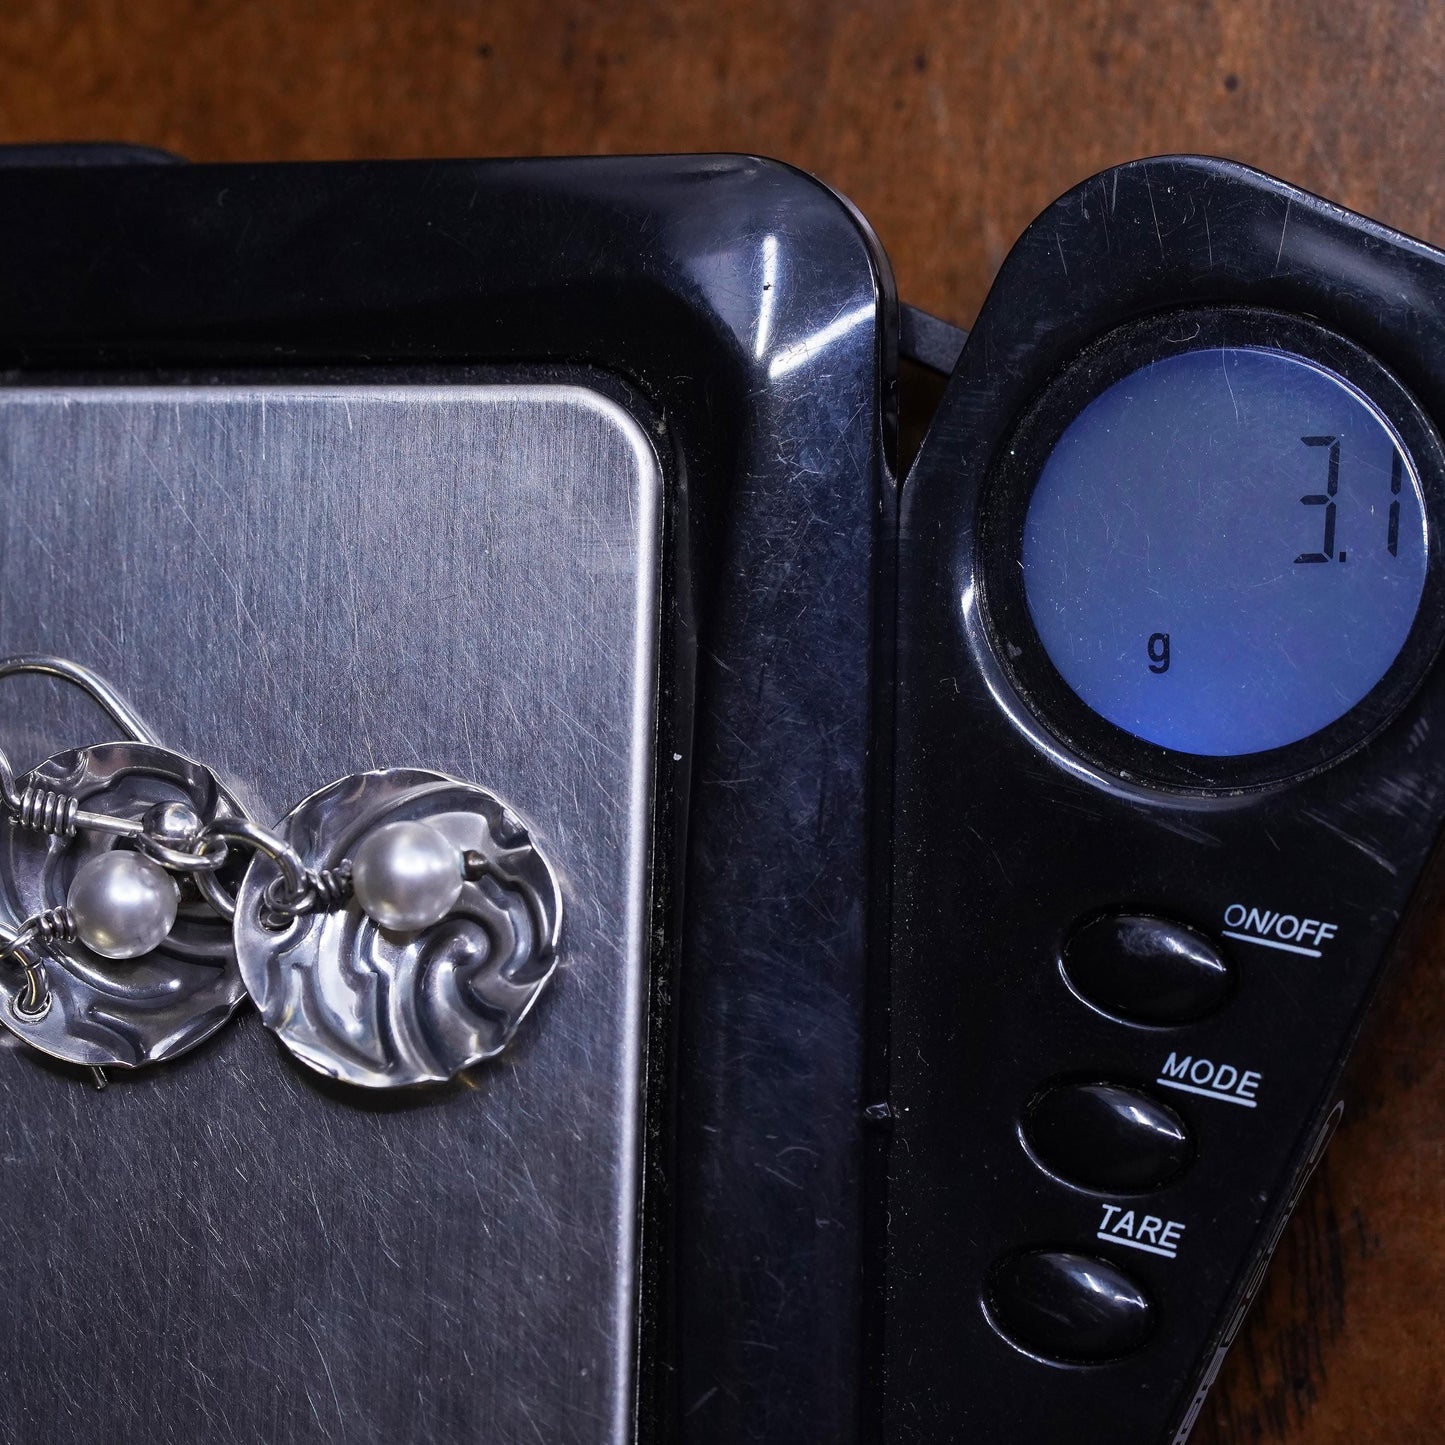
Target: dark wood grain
x: 951, y: 126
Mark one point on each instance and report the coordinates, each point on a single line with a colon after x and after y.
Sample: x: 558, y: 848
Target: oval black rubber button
x: 1107, y: 1137
x: 1145, y: 969
x: 1068, y: 1307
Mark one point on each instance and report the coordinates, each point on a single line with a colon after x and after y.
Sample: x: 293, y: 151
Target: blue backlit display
x: 1225, y: 550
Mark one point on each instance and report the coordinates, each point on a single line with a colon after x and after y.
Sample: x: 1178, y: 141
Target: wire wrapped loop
x: 46, y: 810
x: 329, y: 888
x: 55, y: 925
x: 332, y: 886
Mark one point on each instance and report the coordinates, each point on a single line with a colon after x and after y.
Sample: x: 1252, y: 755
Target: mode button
x: 1146, y: 970
x: 1106, y: 1137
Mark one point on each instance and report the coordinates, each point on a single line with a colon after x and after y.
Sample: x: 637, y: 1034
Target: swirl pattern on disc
x: 119, y: 1012
x: 382, y: 1009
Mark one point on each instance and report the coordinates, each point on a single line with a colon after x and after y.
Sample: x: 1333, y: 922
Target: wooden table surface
x: 950, y: 126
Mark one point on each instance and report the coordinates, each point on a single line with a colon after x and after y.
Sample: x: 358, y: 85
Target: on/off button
x: 1145, y: 969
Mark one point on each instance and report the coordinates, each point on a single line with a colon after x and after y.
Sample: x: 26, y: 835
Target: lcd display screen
x: 1225, y: 550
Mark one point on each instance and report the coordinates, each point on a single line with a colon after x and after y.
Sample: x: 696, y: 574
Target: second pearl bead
x: 406, y: 876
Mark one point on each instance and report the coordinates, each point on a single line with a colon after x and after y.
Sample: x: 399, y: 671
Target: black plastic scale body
x: 1098, y: 1132
x: 744, y: 316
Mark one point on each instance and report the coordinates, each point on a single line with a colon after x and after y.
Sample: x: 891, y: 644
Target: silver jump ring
x: 215, y: 894
x: 34, y: 1001
x: 299, y: 889
x: 207, y: 858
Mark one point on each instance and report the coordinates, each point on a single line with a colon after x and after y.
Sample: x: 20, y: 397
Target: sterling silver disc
x: 117, y: 1012
x: 383, y: 1009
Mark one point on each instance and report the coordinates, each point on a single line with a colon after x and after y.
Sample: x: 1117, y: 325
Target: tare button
x: 1075, y: 1308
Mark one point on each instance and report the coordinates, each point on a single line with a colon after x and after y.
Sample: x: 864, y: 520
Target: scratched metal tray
x: 292, y: 584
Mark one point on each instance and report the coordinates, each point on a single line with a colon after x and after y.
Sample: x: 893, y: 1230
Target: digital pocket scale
x: 1168, y: 771
x: 974, y: 885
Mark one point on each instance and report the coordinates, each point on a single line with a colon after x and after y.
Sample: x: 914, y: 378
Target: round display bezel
x: 1016, y: 471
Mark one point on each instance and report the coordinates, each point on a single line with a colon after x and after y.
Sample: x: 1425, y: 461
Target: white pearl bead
x: 406, y: 876
x: 123, y: 904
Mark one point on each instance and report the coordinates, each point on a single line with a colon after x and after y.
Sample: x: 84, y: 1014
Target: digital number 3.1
x: 1327, y: 501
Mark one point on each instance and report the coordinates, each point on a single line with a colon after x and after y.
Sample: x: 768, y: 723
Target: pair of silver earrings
x: 394, y: 928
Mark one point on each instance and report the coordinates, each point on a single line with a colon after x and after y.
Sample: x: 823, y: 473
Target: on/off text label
x: 1274, y: 928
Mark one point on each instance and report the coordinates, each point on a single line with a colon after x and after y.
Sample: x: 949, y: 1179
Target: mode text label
x: 1226, y: 1082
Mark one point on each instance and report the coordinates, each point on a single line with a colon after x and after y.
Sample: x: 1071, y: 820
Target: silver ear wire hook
x: 45, y: 808
x: 51, y: 810
x: 95, y: 687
